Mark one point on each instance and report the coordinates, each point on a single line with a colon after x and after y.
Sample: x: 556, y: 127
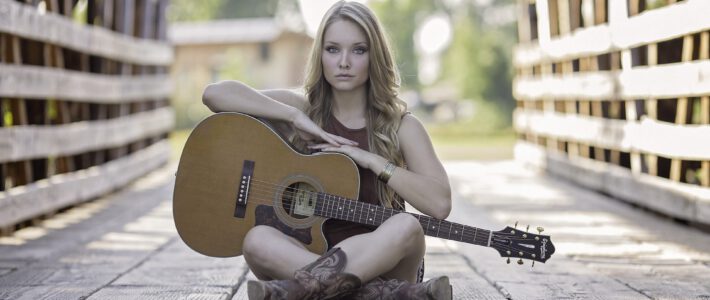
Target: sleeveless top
x: 337, y: 230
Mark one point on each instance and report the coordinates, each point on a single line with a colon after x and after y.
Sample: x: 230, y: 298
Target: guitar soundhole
x: 299, y: 200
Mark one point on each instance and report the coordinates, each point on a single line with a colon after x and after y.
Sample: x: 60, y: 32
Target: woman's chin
x: 346, y: 86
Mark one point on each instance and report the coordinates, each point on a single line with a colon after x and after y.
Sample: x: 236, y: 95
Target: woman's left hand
x: 361, y: 157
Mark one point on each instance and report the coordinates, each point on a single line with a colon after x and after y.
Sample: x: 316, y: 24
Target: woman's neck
x: 350, y: 105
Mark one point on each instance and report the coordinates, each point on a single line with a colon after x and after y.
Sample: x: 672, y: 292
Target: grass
x: 452, y: 141
x: 461, y: 141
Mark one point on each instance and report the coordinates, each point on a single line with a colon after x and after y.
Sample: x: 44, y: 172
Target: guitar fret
x: 438, y: 229
x: 475, y: 233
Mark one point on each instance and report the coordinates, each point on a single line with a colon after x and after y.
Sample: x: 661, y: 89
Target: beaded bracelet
x: 386, y: 172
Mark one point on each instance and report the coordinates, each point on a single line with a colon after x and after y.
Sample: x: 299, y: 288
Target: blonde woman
x: 350, y: 106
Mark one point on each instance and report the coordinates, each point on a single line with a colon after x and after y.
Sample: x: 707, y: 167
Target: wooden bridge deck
x: 125, y: 246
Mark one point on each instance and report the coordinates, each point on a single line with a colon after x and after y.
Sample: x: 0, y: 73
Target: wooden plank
x: 26, y: 142
x: 705, y: 108
x: 39, y: 82
x: 645, y: 28
x: 25, y: 21
x: 635, y: 156
x: 683, y: 79
x: 682, y: 107
x: 683, y: 201
x: 523, y: 21
x: 646, y: 136
x: 17, y: 204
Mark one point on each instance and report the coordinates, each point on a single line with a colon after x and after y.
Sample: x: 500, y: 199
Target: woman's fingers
x: 342, y: 141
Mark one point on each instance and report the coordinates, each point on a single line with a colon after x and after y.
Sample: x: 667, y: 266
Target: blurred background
x: 467, y: 110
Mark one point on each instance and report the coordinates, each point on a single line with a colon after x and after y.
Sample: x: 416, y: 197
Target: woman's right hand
x: 312, y: 134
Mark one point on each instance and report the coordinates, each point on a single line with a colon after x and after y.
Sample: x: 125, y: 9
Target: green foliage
x: 400, y: 19
x: 190, y: 10
x: 203, y: 10
x: 478, y: 61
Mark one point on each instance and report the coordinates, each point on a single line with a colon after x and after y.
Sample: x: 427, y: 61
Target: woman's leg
x: 271, y: 254
x: 395, y: 250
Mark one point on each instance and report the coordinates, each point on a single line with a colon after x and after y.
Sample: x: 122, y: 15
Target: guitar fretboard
x: 330, y: 206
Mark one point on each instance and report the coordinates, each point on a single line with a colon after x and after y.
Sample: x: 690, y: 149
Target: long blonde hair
x: 384, y: 110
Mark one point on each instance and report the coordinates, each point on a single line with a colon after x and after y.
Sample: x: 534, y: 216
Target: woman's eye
x: 331, y: 49
x: 360, y: 50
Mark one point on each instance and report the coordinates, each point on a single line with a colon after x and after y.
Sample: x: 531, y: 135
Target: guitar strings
x: 378, y: 213
x: 265, y: 187
x: 465, y: 237
x: 270, y: 188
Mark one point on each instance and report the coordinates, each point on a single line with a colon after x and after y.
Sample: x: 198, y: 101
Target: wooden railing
x: 84, y: 104
x: 615, y: 95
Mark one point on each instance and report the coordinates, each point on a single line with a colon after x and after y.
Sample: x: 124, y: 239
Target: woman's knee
x: 408, y: 228
x: 255, y: 241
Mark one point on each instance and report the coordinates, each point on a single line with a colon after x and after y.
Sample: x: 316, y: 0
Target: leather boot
x: 321, y: 279
x: 394, y: 289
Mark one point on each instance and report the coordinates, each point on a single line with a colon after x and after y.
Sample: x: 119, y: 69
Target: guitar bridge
x: 243, y: 189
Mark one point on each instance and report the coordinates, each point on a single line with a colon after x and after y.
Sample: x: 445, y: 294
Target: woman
x: 350, y: 106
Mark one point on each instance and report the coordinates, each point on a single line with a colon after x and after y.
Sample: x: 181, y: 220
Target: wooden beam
x: 38, y: 82
x: 682, y: 108
x: 684, y: 79
x: 646, y: 136
x: 26, y: 142
x: 643, y: 29
x: 683, y: 201
x: 26, y: 22
x: 46, y: 196
x: 705, y: 108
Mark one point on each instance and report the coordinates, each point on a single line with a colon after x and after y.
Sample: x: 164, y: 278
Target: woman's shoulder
x: 411, y: 128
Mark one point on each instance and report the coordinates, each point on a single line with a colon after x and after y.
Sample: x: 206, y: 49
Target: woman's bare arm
x: 234, y: 96
x: 281, y: 107
x: 424, y: 184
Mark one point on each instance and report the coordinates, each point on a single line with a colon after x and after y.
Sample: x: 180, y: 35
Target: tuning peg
x: 516, y: 225
x: 507, y: 261
x: 533, y: 264
x: 526, y: 228
x: 520, y: 261
x: 540, y: 229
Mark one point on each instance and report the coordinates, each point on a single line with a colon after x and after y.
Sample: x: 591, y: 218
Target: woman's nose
x: 344, y: 62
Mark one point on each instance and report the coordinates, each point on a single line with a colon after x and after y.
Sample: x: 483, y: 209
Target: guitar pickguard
x: 265, y: 215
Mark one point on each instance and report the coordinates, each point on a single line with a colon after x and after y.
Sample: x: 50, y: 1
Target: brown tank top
x: 336, y: 230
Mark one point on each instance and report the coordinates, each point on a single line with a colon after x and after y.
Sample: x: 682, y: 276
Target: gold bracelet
x: 386, y: 172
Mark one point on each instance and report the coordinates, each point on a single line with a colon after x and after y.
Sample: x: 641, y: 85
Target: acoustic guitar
x: 236, y: 172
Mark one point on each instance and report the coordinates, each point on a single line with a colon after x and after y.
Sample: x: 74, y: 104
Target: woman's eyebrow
x: 338, y: 44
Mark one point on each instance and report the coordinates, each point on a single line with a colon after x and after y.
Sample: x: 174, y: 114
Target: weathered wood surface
x: 40, y: 82
x: 37, y: 141
x: 678, y: 141
x: 621, y: 33
x: 48, y: 195
x: 125, y: 246
x: 682, y: 201
x: 683, y: 79
x: 28, y: 22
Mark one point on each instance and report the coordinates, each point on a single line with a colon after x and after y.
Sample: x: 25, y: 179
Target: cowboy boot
x: 321, y: 279
x: 395, y: 289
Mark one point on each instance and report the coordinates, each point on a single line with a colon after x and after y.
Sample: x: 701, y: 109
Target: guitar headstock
x: 511, y: 242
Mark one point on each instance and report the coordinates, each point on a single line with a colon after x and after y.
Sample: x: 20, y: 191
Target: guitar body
x: 209, y: 177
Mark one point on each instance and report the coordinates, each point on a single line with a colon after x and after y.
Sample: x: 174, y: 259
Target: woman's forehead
x: 344, y: 32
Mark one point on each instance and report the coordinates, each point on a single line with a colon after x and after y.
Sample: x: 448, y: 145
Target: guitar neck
x: 330, y: 206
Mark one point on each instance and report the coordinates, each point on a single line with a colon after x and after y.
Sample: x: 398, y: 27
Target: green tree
x: 478, y: 62
x: 190, y: 10
x: 400, y: 19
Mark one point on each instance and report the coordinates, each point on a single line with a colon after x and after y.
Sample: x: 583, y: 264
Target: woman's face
x: 346, y: 59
